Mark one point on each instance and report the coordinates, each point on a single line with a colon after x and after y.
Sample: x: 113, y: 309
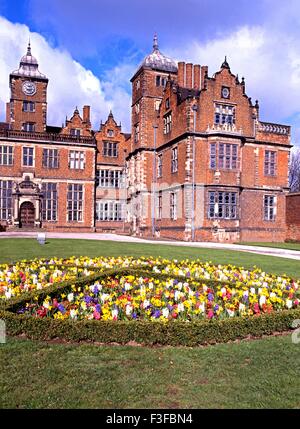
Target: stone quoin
x: 199, y: 164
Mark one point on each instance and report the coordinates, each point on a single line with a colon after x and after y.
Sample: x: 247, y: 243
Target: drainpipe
x: 154, y: 181
x: 194, y: 108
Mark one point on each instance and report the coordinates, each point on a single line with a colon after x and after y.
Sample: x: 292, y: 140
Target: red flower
x: 42, y: 312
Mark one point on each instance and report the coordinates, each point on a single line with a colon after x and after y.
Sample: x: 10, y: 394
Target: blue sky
x: 101, y: 43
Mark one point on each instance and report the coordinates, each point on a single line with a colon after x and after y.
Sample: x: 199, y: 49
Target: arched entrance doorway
x: 27, y: 215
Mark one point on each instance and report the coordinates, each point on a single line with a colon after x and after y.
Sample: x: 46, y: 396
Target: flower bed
x: 190, y: 302
x: 136, y: 297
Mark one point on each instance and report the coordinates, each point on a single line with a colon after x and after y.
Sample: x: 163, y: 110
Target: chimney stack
x: 181, y: 74
x: 204, y: 74
x: 86, y: 114
x: 189, y: 75
x: 197, y: 76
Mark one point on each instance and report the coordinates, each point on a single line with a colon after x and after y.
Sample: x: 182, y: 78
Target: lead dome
x: 158, y: 61
x: 29, y: 66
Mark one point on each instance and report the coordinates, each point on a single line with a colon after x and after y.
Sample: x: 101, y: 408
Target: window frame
x: 9, y: 155
x: 6, y: 199
x: 174, y: 160
x: 78, y: 161
x: 222, y: 205
x: 75, y: 205
x: 28, y: 155
x: 30, y: 103
x: 110, y: 211
x: 110, y: 149
x: 173, y: 205
x: 48, y: 161
x: 269, y: 211
x: 270, y: 166
x: 49, y: 209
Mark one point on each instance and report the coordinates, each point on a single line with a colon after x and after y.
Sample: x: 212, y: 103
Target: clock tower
x: 27, y: 109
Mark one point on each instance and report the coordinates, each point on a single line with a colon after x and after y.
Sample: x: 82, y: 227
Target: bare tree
x: 294, y: 175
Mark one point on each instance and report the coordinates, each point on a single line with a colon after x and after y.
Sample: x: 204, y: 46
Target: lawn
x: 12, y: 249
x: 290, y: 246
x: 261, y: 373
x: 251, y: 374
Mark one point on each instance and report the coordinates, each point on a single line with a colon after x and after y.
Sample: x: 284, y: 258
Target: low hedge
x: 174, y: 333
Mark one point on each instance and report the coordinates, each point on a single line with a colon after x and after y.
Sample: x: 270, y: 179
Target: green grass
x: 250, y: 374
x: 12, y: 249
x: 290, y: 246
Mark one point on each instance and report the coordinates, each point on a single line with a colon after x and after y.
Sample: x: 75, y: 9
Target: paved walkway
x: 282, y: 253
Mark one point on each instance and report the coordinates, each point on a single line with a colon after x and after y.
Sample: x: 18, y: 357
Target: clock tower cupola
x: 27, y: 109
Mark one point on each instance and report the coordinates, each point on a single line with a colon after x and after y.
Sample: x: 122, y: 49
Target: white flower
x: 73, y: 314
x: 146, y: 303
x: 128, y: 309
x: 272, y: 295
x: 177, y: 295
x: 242, y: 308
x: 230, y: 312
x: 114, y: 313
x: 165, y: 312
x: 202, y: 307
x: 223, y: 290
x: 104, y: 297
x: 180, y: 307
x: 252, y: 290
x: 70, y: 297
x: 289, y: 303
x: 262, y: 300
x: 8, y: 294
x: 46, y: 304
x: 127, y: 286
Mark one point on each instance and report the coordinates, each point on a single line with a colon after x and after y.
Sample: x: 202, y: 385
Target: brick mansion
x: 199, y: 164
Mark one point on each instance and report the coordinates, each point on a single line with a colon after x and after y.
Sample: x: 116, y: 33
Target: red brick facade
x: 199, y: 164
x: 219, y: 173
x: 293, y: 216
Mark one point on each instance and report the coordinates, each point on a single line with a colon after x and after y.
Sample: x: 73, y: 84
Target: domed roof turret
x: 158, y: 61
x: 29, y: 66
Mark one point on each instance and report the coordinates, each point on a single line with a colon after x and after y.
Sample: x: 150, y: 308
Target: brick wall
x: 293, y: 216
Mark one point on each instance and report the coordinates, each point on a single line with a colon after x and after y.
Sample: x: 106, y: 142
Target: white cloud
x: 70, y: 84
x: 268, y: 59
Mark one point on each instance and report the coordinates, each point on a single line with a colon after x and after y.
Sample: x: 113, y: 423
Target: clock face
x: 225, y: 92
x: 29, y: 88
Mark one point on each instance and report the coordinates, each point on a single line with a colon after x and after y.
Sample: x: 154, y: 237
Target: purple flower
x: 98, y: 308
x: 188, y: 274
x: 245, y: 298
x: 88, y: 299
x: 156, y: 314
x: 61, y: 308
x: 216, y: 307
x: 210, y: 297
x: 175, y: 282
x: 96, y: 290
x: 134, y: 315
x: 170, y: 307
